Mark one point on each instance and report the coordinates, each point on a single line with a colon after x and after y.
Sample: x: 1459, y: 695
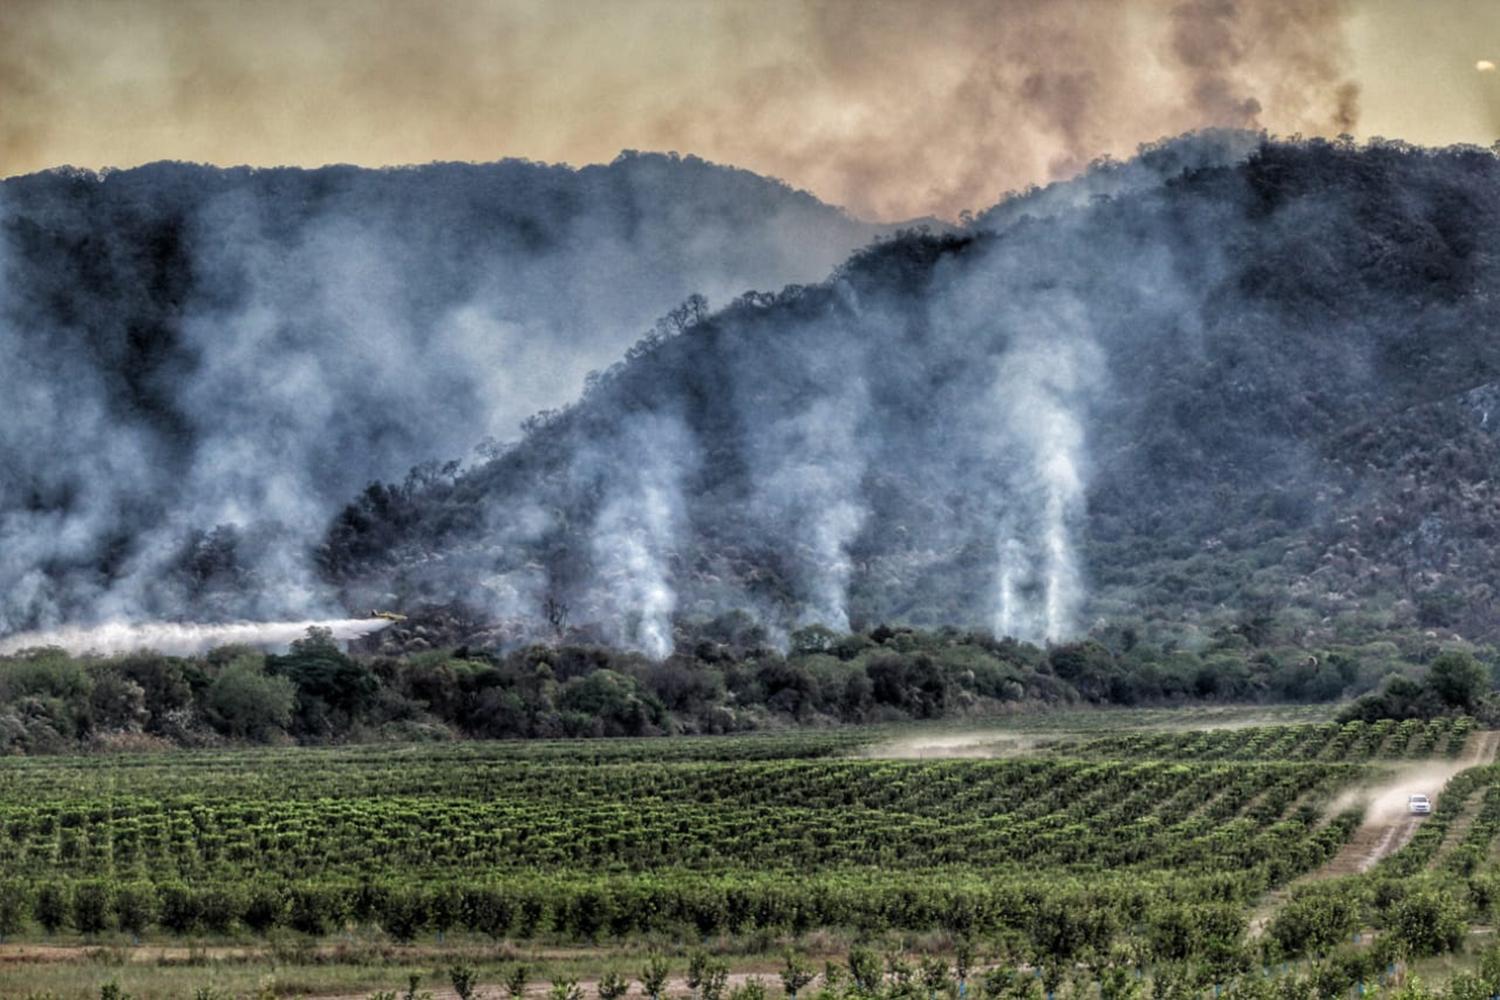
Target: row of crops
x: 317, y: 763
x: 794, y: 816
x: 1386, y: 739
x: 1054, y: 916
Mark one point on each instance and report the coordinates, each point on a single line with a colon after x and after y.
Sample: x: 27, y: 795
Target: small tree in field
x: 565, y: 989
x: 51, y: 908
x: 864, y: 969
x: 91, y: 907
x: 178, y: 908
x: 134, y: 909
x: 707, y: 977
x: 963, y: 960
x: 13, y: 905
x: 404, y: 913
x: 833, y: 977
x: 515, y: 983
x: 443, y: 909
x: 654, y: 976
x: 795, y: 974
x: 1117, y: 983
x: 464, y: 978
x: 613, y: 986
x: 934, y: 976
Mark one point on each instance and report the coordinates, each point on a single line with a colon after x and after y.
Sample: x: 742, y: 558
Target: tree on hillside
x: 1458, y: 679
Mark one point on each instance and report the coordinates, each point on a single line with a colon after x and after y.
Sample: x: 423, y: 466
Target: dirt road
x: 1388, y: 826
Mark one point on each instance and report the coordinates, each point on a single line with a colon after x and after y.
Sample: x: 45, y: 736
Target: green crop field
x: 1163, y: 844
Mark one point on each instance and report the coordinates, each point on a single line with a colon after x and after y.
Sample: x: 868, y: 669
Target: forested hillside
x: 1250, y: 399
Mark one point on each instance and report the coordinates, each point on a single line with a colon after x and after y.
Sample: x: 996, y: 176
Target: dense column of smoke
x: 808, y: 453
x: 1064, y: 505
x: 1012, y: 567
x: 1039, y: 384
x: 636, y: 529
x: 68, y: 466
x: 1040, y: 390
x: 183, y: 640
x: 813, y: 489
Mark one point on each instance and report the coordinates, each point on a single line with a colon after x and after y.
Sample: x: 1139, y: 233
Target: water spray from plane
x: 185, y: 639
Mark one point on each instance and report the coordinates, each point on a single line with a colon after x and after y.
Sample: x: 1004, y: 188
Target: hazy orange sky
x: 893, y: 109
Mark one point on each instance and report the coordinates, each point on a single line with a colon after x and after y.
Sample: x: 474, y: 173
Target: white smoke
x: 814, y: 489
x: 1012, y: 556
x: 1040, y: 385
x: 631, y: 538
x: 633, y: 535
x: 179, y: 639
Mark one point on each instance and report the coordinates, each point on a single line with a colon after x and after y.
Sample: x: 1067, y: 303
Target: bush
x: 178, y: 909
x: 14, y: 903
x: 264, y: 909
x: 311, y: 909
x: 1459, y: 680
x: 134, y: 908
x: 1315, y: 920
x: 404, y: 913
x: 218, y: 909
x: 51, y: 907
x: 1427, y: 922
x: 245, y: 702
x: 91, y: 904
x: 486, y: 910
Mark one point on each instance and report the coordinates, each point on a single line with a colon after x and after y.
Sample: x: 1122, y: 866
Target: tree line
x: 725, y: 678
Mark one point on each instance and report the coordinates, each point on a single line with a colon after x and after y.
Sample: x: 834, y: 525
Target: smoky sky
x: 892, y: 109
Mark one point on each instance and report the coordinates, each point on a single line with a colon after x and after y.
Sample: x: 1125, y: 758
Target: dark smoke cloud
x: 893, y: 109
x: 1223, y: 46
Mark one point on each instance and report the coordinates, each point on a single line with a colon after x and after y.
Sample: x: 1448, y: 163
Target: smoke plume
x: 635, y: 533
x: 1041, y: 384
x: 809, y: 460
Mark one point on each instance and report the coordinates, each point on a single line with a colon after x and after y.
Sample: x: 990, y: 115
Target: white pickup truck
x: 1418, y: 805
